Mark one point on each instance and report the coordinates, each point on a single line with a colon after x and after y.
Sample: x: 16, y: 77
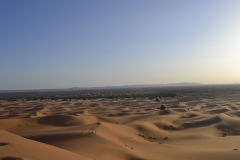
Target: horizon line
x: 179, y: 84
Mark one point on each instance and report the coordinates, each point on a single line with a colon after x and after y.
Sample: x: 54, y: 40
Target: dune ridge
x: 121, y: 129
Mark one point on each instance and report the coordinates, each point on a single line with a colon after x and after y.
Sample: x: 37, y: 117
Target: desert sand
x: 191, y: 127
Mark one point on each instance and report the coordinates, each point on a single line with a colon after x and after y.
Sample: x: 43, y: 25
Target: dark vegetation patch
x: 68, y: 95
x: 154, y: 93
x: 164, y: 112
x: 163, y: 107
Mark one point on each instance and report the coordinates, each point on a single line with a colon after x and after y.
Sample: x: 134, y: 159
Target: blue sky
x: 74, y: 43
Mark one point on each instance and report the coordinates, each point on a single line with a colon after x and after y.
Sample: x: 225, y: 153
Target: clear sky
x: 74, y: 43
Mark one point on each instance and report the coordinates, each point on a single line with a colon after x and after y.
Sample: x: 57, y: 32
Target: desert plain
x: 188, y: 123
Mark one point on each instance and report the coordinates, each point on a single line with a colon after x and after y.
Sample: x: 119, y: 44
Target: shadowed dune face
x: 165, y: 112
x: 165, y: 126
x: 20, y: 148
x: 180, y: 128
x: 190, y: 115
x: 51, y: 136
x: 58, y: 120
x: 202, y: 123
x: 235, y: 113
x: 228, y: 130
x: 217, y: 111
x: 230, y: 126
x: 3, y: 143
x: 135, y: 158
x: 51, y: 139
x: 11, y: 158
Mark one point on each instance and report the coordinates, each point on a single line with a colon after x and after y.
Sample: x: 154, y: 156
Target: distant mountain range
x: 185, y: 84
x: 161, y: 85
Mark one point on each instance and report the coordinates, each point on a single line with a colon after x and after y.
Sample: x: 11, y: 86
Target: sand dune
x: 202, y: 123
x: 13, y: 147
x: 120, y: 129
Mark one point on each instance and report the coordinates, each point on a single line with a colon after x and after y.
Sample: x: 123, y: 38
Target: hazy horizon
x: 63, y: 44
x: 180, y: 84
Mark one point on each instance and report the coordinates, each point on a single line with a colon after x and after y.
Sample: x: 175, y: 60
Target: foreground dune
x: 13, y: 147
x: 121, y: 129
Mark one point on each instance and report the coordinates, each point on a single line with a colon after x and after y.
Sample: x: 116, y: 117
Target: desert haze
x: 165, y: 123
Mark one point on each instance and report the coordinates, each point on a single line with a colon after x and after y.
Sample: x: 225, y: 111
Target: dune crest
x: 18, y: 148
x: 138, y: 128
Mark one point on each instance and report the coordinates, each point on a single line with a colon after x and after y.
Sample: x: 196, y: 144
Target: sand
x: 121, y: 129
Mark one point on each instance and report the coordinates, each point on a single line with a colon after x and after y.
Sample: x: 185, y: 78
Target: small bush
x: 163, y: 107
